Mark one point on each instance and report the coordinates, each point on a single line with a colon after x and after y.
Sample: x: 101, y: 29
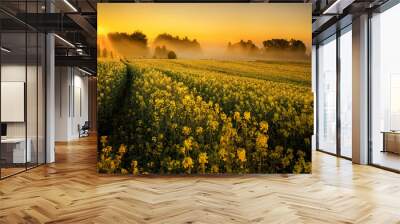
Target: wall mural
x: 204, y: 88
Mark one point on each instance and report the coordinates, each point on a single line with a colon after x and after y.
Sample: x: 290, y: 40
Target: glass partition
x: 385, y: 89
x: 327, y: 95
x: 14, y: 153
x: 22, y: 91
x: 346, y: 92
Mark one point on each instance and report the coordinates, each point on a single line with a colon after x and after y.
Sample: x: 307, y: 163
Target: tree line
x: 177, y: 43
x: 162, y: 42
x: 270, y: 45
x: 167, y: 46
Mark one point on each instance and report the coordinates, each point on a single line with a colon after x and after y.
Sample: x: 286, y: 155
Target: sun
x: 101, y: 30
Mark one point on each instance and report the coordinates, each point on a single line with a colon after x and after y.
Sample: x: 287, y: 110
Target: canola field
x: 204, y: 116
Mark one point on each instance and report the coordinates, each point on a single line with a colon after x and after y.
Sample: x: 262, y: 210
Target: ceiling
x: 73, y: 21
x: 332, y: 15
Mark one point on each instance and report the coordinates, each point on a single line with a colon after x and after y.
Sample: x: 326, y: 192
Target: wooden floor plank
x: 70, y: 191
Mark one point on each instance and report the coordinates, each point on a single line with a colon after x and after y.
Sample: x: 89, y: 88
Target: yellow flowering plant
x: 203, y: 160
x: 188, y: 116
x: 187, y: 164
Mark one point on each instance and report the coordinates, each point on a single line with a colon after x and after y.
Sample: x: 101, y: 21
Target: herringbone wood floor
x: 70, y: 191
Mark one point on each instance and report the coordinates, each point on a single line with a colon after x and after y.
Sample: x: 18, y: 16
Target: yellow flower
x: 124, y: 171
x: 241, y: 154
x: 112, y: 165
x: 222, y: 154
x: 214, y: 125
x: 135, y: 170
x: 187, y: 163
x: 186, y: 130
x: 247, y: 115
x: 261, y: 141
x: 263, y: 126
x: 188, y: 143
x: 103, y: 140
x: 99, y: 165
x: 236, y: 116
x: 223, y: 117
x: 107, y: 149
x: 203, y: 158
x: 174, y: 126
x: 122, y: 149
x: 199, y: 130
x: 214, y: 169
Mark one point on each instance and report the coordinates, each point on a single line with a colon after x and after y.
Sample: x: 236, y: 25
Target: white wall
x: 71, y: 102
x: 13, y: 72
x: 62, y: 82
x: 80, y: 109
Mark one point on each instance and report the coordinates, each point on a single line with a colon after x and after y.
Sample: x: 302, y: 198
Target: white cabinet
x: 19, y: 155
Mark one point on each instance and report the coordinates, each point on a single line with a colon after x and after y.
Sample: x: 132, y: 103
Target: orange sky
x: 213, y: 25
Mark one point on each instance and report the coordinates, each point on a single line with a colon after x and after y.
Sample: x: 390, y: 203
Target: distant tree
x: 161, y: 52
x: 98, y: 51
x: 177, y: 43
x: 138, y: 37
x: 251, y: 46
x: 297, y: 45
x: 276, y: 44
x: 111, y: 55
x: 243, y: 47
x: 282, y: 44
x: 133, y: 45
x: 171, y: 55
